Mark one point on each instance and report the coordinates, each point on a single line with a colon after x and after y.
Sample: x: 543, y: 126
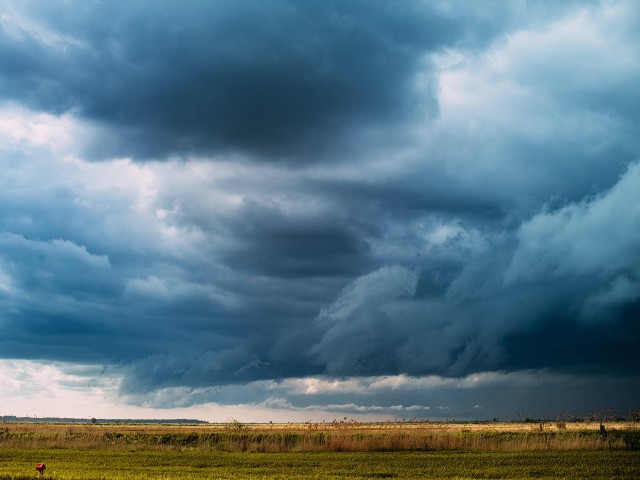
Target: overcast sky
x: 303, y: 210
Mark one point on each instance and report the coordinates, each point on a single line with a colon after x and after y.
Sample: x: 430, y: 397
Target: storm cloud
x: 276, y: 79
x: 222, y: 201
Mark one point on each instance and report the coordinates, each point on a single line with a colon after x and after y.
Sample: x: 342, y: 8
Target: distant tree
x: 94, y: 421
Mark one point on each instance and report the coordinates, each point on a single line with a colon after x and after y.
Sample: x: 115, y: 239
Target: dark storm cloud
x: 543, y: 394
x: 564, y: 292
x: 276, y: 244
x: 475, y: 211
x: 279, y: 78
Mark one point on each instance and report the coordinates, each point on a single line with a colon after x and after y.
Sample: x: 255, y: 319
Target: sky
x: 294, y: 210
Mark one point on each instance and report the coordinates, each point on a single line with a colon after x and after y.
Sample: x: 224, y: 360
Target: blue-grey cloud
x: 554, y: 294
x: 332, y: 190
x: 283, y: 79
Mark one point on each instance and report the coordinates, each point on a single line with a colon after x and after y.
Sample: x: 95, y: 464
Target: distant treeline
x: 179, y: 421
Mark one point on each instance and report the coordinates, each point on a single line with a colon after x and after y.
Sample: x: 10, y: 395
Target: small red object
x: 40, y: 467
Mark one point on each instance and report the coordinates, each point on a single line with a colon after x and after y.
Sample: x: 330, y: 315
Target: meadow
x: 338, y: 450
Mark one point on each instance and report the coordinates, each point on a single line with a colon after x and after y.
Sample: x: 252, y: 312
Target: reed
x: 346, y: 437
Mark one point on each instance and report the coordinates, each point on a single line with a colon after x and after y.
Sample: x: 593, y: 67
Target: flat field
x: 18, y: 464
x: 307, y: 451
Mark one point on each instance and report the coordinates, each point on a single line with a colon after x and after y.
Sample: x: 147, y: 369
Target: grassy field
x: 307, y: 451
x: 74, y: 464
x: 333, y: 437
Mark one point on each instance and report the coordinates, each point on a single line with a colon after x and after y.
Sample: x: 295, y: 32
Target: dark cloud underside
x: 282, y: 79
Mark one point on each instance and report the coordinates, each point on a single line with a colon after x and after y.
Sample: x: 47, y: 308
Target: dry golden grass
x: 80, y: 429
x: 336, y: 436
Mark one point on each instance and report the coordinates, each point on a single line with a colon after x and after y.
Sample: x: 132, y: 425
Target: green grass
x: 89, y: 464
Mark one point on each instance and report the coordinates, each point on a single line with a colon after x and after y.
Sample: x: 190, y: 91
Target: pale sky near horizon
x: 301, y: 210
